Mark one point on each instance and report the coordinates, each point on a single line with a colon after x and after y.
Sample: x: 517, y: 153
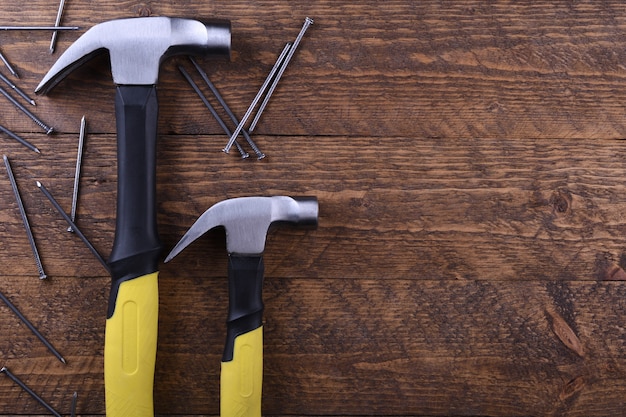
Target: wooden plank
x: 336, y: 346
x: 505, y: 210
x: 463, y: 69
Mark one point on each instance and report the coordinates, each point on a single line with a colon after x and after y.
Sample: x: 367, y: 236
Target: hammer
x: 136, y: 47
x: 247, y: 221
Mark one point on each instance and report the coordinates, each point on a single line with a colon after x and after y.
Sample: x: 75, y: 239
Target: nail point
x: 74, y: 399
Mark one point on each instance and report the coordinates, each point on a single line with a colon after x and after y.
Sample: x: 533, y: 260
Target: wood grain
x: 462, y: 345
x: 469, y: 165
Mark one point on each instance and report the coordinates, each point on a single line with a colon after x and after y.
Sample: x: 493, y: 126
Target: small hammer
x: 247, y: 221
x: 136, y: 47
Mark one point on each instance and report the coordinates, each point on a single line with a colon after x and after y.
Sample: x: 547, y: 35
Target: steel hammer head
x: 137, y: 46
x: 247, y: 221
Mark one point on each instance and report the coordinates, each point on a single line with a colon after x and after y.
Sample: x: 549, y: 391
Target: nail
x: 307, y: 22
x: 19, y: 139
x: 56, y: 24
x: 69, y: 221
x: 39, y: 28
x: 191, y: 82
x: 8, y: 65
x: 220, y: 99
x: 74, y: 400
x: 22, y: 385
x: 17, y: 90
x: 34, y: 118
x: 29, y: 233
x: 245, y: 117
x: 79, y: 159
x: 31, y: 327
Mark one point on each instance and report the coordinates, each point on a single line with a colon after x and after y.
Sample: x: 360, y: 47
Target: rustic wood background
x: 468, y: 161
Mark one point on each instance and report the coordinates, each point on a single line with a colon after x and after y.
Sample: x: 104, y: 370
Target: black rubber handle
x: 245, y: 298
x: 137, y: 246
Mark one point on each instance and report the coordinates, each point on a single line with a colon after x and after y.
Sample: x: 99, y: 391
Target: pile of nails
x: 265, y: 92
x: 21, y: 93
x: 48, y: 130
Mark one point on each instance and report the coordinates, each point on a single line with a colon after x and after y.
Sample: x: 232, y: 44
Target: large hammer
x: 136, y: 48
x: 246, y: 220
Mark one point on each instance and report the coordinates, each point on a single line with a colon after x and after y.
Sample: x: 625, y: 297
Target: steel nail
x: 32, y: 393
x: 74, y: 400
x: 39, y: 28
x: 17, y: 89
x: 56, y: 24
x: 19, y: 139
x: 69, y: 221
x: 245, y: 117
x: 31, y: 327
x: 29, y: 233
x: 34, y: 118
x: 307, y: 22
x: 220, y: 99
x: 195, y: 87
x: 8, y: 65
x: 79, y: 159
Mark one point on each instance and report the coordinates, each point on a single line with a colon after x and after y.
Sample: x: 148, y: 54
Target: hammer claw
x: 247, y: 220
x: 137, y: 46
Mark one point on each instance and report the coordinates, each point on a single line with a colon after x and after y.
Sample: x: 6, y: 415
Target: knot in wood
x: 561, y: 201
x: 572, y: 388
x: 143, y: 10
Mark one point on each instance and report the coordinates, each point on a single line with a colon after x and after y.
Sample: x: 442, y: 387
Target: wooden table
x: 470, y: 173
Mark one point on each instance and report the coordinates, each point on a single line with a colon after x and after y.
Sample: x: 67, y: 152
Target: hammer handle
x: 130, y: 349
x: 132, y: 319
x: 242, y: 363
x: 136, y: 246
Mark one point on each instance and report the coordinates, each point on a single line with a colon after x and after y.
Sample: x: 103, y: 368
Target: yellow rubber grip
x: 130, y: 349
x: 242, y: 378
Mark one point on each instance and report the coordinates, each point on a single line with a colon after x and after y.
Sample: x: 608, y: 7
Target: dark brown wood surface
x: 468, y: 162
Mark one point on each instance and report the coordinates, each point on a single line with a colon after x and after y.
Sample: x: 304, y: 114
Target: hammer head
x: 137, y: 46
x: 247, y: 221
